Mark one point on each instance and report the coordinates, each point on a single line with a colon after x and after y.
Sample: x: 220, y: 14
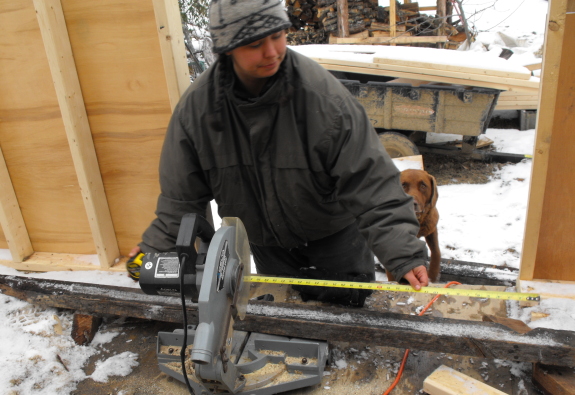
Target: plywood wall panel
x: 33, y: 139
x: 119, y: 64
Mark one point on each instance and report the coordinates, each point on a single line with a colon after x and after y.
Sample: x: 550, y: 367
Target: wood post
x: 169, y: 25
x: 342, y: 19
x: 549, y: 239
x: 11, y: 218
x: 392, y: 21
x: 63, y: 69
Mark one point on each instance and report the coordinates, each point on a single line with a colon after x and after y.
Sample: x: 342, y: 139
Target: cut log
x: 480, y: 339
x: 84, y: 328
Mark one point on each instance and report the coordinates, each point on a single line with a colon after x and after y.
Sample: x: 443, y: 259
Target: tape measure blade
x: 484, y: 294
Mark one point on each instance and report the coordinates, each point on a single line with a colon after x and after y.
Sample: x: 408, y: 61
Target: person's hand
x: 135, y: 251
x: 417, y: 277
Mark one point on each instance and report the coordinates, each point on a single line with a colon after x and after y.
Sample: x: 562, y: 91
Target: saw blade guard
x: 243, y: 252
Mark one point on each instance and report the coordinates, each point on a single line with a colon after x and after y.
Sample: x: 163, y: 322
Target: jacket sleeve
x: 367, y: 184
x: 183, y: 188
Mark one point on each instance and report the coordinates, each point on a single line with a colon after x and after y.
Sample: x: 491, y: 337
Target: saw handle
x: 192, y: 226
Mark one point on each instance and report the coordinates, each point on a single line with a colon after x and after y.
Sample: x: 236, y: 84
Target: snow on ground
x: 479, y: 223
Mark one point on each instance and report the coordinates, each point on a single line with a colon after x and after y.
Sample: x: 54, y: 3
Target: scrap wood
x: 554, y: 380
x: 331, y: 323
x: 446, y: 381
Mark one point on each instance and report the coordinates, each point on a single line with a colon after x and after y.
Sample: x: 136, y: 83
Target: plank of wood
x: 471, y: 79
x: 554, y: 380
x: 548, y: 288
x: 454, y: 68
x: 84, y: 328
x: 171, y: 36
x: 481, y: 339
x: 534, y: 66
x: 11, y: 218
x: 548, y: 240
x: 50, y: 262
x: 63, y: 69
x: 447, y: 381
x: 401, y: 74
x: 33, y: 139
x: 121, y: 71
x: 393, y: 21
x: 392, y: 40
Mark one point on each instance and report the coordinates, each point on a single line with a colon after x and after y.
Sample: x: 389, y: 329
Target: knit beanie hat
x: 234, y: 23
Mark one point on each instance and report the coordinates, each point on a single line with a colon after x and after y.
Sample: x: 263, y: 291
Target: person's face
x: 259, y: 59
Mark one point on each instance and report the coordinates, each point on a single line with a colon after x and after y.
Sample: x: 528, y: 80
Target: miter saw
x: 220, y: 359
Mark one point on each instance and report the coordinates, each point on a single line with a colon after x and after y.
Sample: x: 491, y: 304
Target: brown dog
x: 423, y: 188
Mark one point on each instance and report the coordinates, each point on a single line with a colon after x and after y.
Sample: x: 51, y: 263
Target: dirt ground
x: 454, y: 170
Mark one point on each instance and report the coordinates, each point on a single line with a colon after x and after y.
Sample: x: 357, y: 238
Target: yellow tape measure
x: 396, y: 287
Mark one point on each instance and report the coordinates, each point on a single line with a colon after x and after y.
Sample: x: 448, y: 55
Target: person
x: 280, y: 143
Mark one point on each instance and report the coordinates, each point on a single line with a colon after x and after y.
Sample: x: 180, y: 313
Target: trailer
x: 403, y: 114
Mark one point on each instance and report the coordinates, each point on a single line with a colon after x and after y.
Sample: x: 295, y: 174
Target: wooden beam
x: 549, y: 234
x: 447, y: 68
x: 529, y: 85
x: 425, y: 73
x: 393, y: 20
x: 171, y: 36
x: 472, y: 338
x: 50, y: 262
x: 554, y: 380
x: 11, y: 218
x: 63, y: 69
x: 392, y: 40
x: 447, y: 381
x: 342, y: 19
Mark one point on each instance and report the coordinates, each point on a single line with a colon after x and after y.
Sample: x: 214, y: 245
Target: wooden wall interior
x: 549, y: 243
x: 87, y: 93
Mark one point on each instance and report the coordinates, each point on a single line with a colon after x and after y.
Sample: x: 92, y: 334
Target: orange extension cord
x: 407, y: 351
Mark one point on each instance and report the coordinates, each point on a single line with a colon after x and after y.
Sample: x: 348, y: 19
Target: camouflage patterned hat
x: 234, y: 23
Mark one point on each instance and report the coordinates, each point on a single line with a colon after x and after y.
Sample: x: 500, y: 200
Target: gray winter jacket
x: 294, y: 165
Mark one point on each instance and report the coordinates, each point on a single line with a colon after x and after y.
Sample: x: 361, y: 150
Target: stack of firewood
x: 313, y: 21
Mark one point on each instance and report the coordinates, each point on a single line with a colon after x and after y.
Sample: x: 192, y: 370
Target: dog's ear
x: 434, y: 195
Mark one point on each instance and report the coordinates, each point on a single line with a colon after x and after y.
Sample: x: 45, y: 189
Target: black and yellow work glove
x: 343, y: 296
x: 134, y: 264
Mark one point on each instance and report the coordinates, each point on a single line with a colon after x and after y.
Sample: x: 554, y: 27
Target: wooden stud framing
x: 11, y: 218
x: 69, y: 94
x: 393, y: 20
x: 173, y: 49
x: 549, y: 233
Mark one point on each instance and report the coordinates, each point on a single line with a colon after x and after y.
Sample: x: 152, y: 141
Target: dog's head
x: 422, y: 187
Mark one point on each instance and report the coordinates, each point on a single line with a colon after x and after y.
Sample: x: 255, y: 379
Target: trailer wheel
x: 398, y: 145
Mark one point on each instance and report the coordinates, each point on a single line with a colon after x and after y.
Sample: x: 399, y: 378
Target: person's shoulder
x: 315, y: 78
x: 200, y: 88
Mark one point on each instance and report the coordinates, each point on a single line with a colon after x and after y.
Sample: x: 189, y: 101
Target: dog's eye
x: 422, y: 186
x: 405, y: 186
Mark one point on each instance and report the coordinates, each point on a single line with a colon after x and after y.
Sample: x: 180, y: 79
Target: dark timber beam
x: 472, y: 338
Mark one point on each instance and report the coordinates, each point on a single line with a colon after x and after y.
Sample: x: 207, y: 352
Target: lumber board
x: 447, y: 381
x: 169, y: 27
x: 554, y: 380
x: 33, y: 138
x: 11, y: 218
x: 391, y: 40
x: 427, y: 73
x: 121, y: 72
x: 332, y: 323
x: 50, y: 262
x: 548, y: 240
x: 401, y: 74
x: 446, y: 68
x: 63, y: 70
